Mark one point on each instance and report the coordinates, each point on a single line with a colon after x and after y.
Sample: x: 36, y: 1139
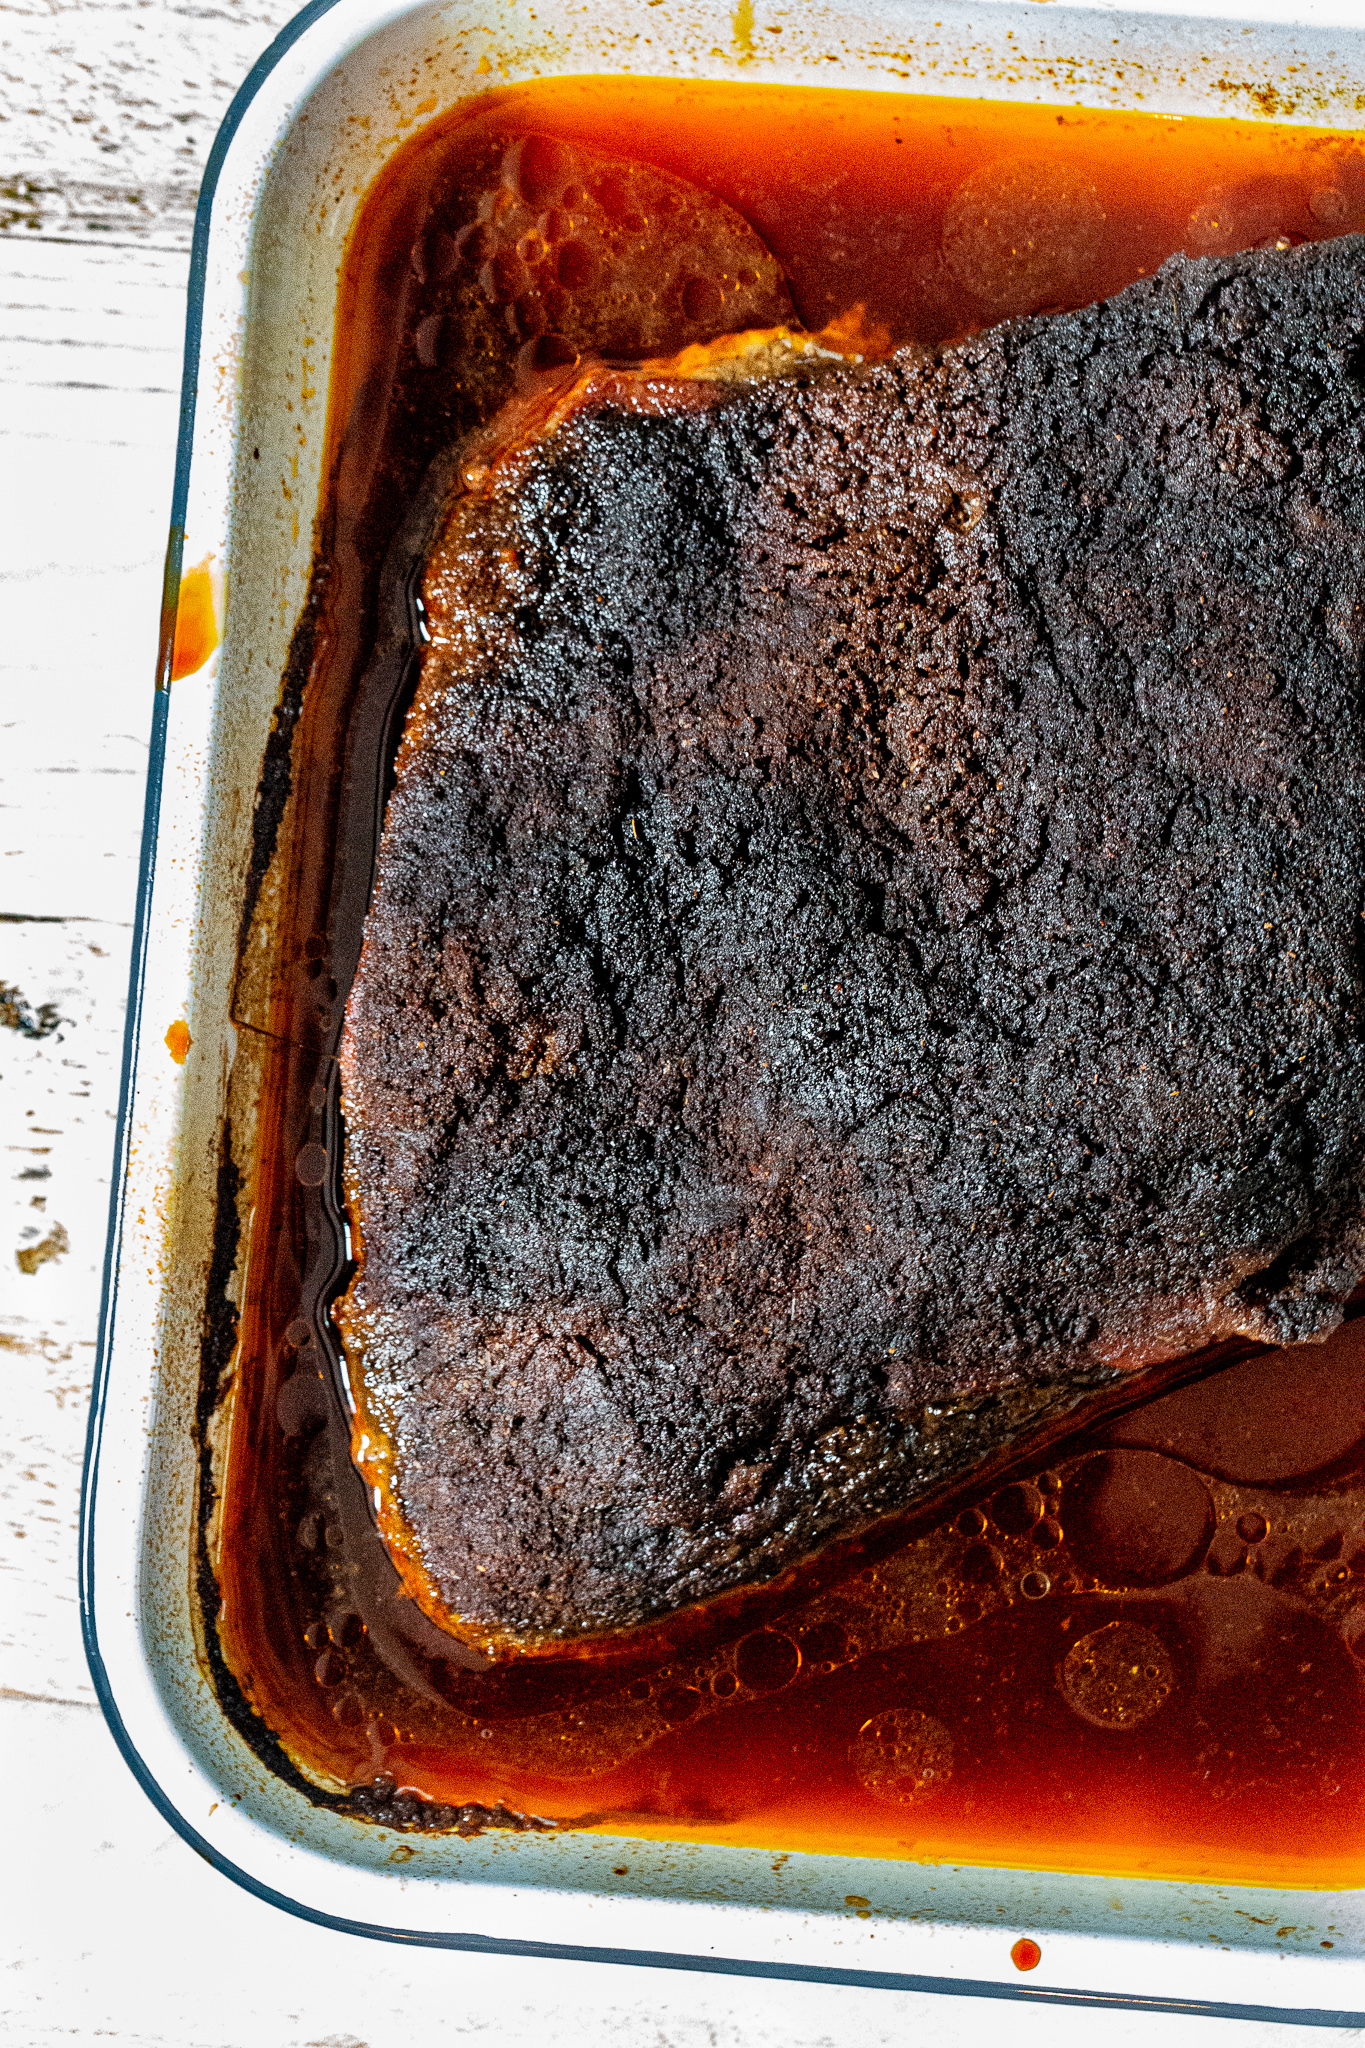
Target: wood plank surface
x: 109, y: 109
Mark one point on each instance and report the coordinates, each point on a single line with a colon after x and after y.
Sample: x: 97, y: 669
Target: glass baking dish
x: 342, y: 88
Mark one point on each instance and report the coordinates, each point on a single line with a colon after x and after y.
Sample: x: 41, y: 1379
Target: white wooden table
x: 111, y: 1930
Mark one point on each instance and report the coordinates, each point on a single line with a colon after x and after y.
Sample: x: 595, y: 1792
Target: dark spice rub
x: 867, y: 942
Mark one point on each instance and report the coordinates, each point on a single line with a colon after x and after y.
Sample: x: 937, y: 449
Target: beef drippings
x: 1171, y: 1618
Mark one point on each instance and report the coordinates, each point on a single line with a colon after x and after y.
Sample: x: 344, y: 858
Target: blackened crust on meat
x: 867, y: 938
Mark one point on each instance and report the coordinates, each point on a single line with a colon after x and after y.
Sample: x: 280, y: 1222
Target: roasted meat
x: 867, y: 938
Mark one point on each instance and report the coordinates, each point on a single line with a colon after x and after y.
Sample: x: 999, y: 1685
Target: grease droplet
x: 311, y: 1166
x: 903, y: 1755
x: 766, y: 1661
x: 1135, y: 1518
x: 1017, y: 1508
x: 1118, y: 1676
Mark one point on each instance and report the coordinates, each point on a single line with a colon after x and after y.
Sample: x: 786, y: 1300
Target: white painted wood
x: 90, y: 342
x: 89, y: 374
x: 58, y: 1096
x: 112, y: 1929
x: 110, y: 108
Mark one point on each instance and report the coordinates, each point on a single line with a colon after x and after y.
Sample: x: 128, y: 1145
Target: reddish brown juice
x: 1132, y: 1650
x: 196, y: 622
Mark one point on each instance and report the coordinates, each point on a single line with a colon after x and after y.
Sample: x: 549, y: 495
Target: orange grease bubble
x: 196, y: 623
x: 178, y: 1041
x: 1026, y: 1954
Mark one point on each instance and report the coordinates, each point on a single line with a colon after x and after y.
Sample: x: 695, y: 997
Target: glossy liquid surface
x: 1132, y: 1647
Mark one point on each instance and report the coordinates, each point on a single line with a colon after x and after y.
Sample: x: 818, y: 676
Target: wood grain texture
x: 108, y: 109
x: 58, y: 1097
x: 90, y: 343
x: 89, y: 368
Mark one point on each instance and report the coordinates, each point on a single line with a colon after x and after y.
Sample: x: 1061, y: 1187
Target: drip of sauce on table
x: 1118, y: 1650
x: 196, y: 622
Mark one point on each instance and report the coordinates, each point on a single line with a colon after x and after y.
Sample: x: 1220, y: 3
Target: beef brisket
x: 867, y: 941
